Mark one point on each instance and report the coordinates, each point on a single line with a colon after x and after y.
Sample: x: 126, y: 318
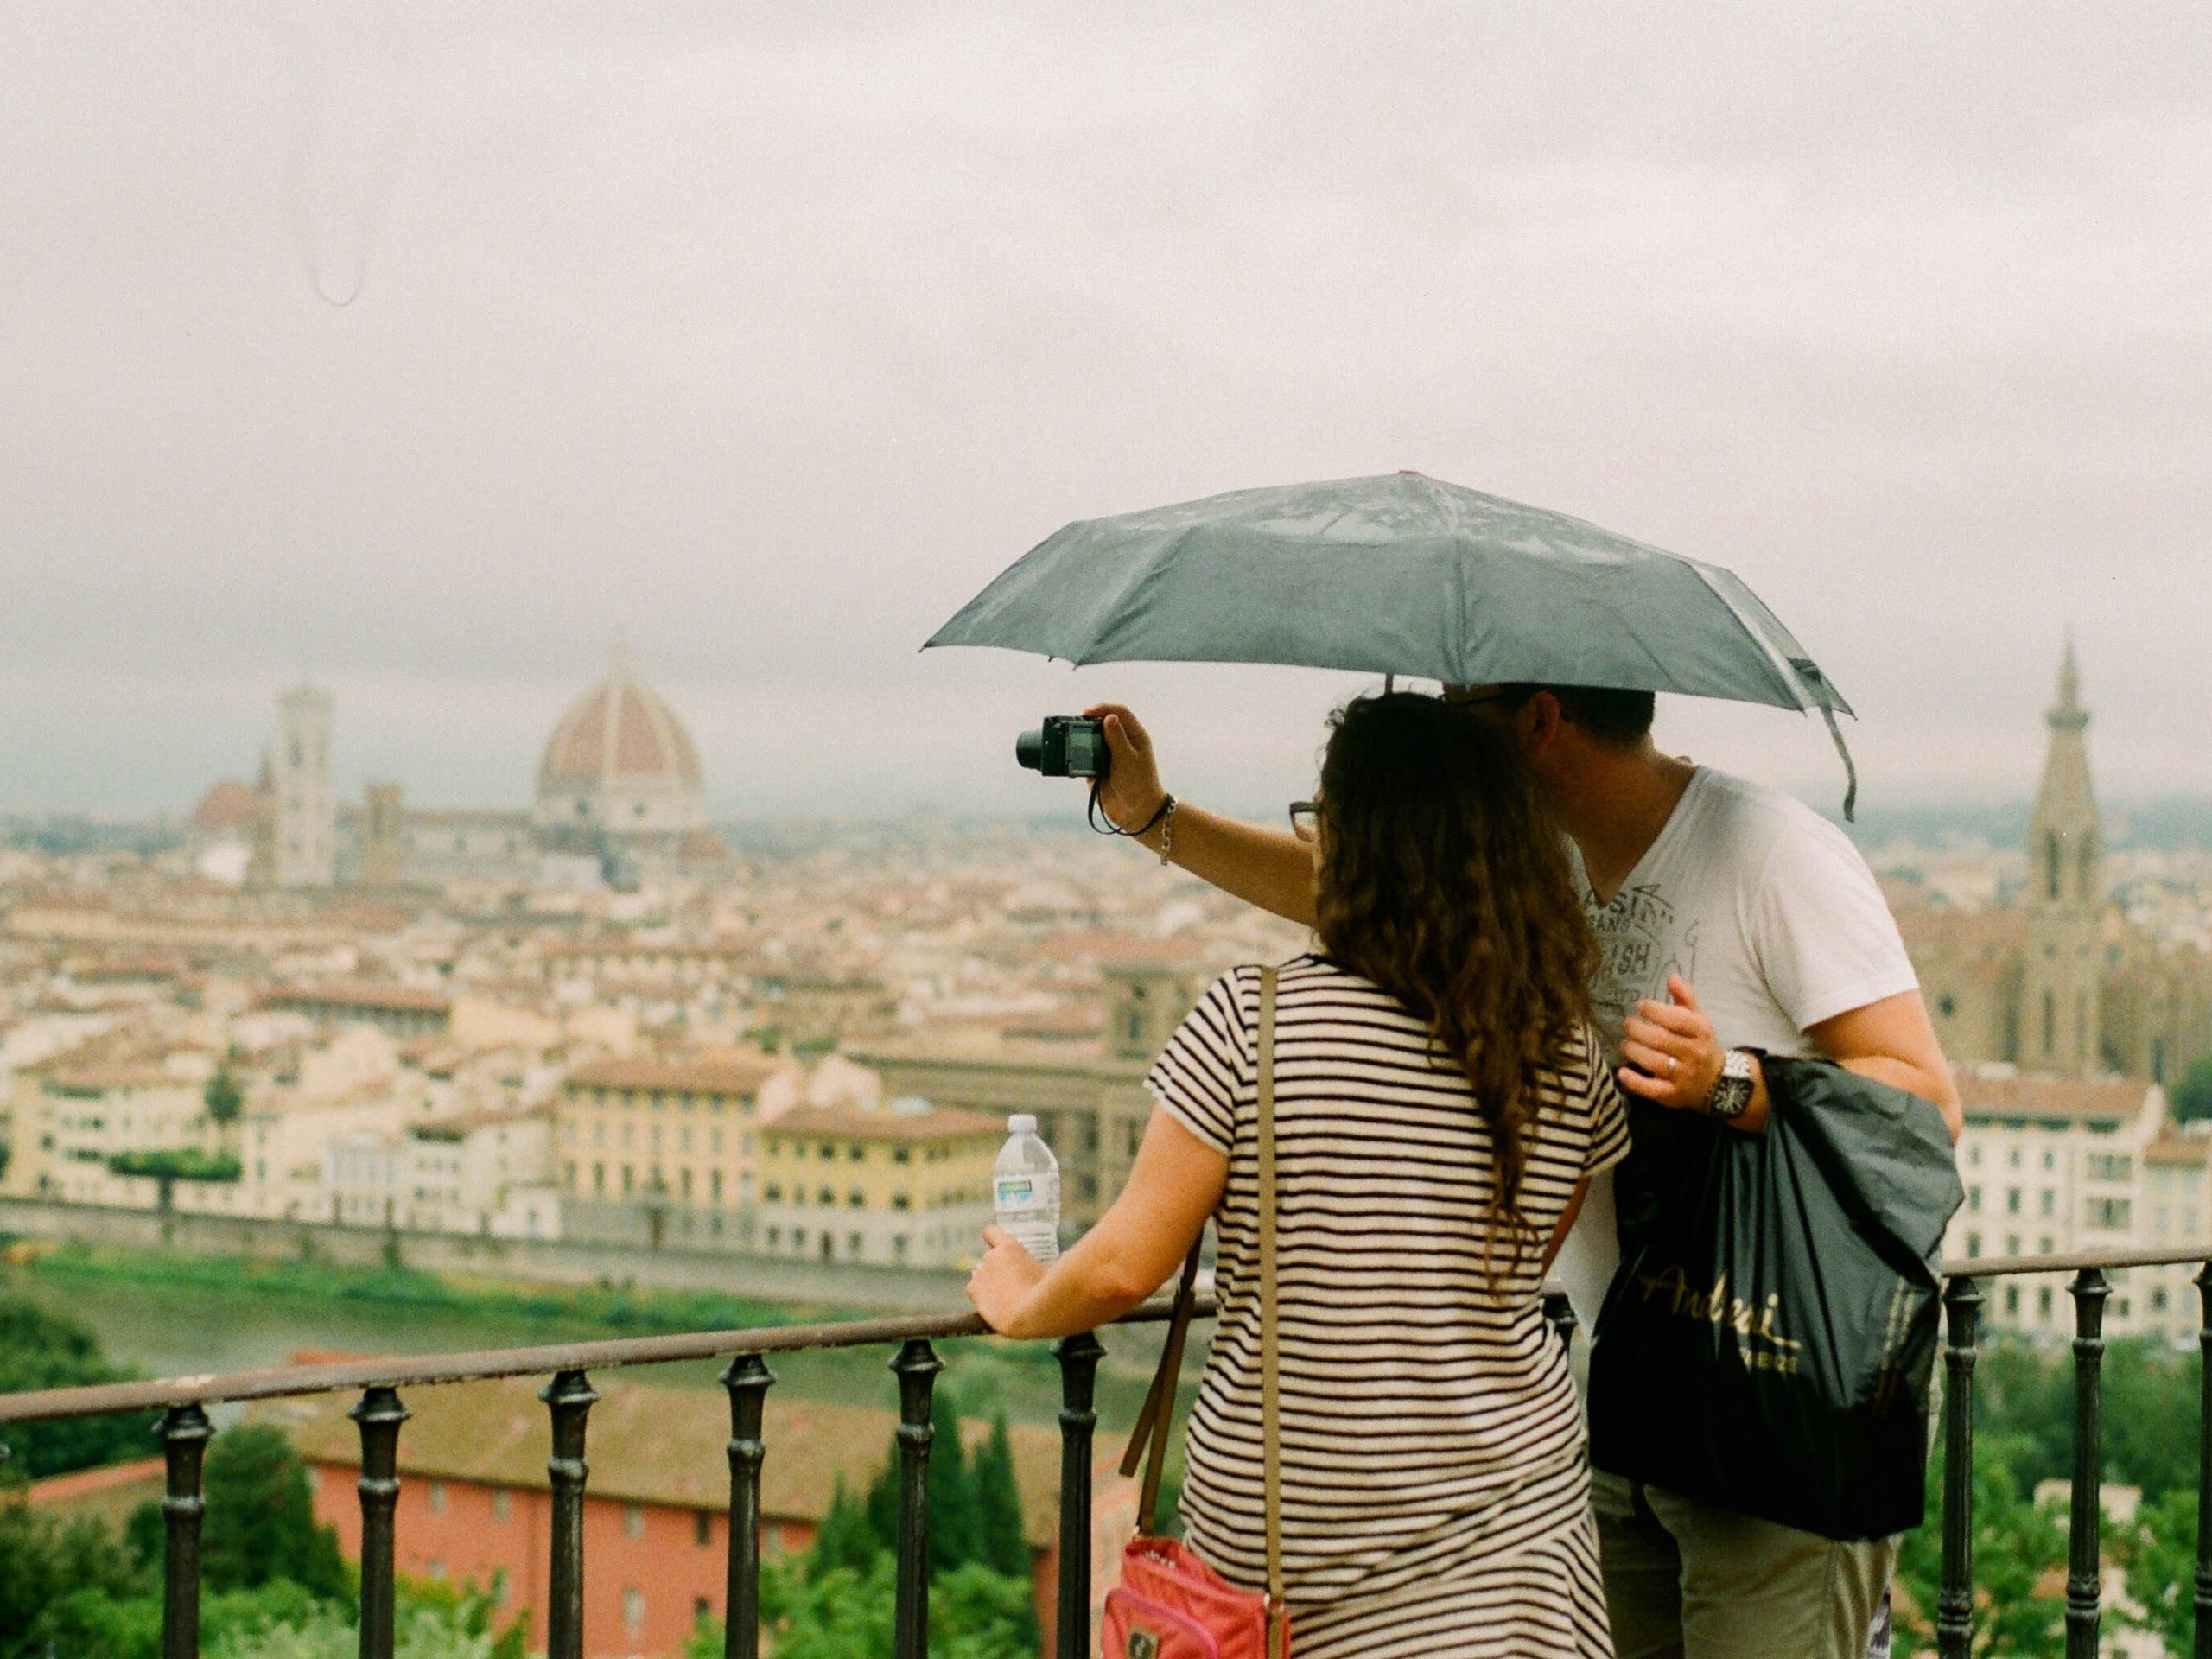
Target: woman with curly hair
x: 1441, y: 1103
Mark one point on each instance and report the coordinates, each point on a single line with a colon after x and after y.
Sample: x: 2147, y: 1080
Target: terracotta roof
x: 1972, y: 930
x: 846, y: 1123
x: 723, y: 1077
x: 363, y: 994
x: 618, y: 729
x: 2188, y: 1151
x: 655, y: 1445
x: 2049, y: 1098
x: 227, y: 805
x: 64, y: 1489
x: 457, y: 1125
x: 114, y: 1074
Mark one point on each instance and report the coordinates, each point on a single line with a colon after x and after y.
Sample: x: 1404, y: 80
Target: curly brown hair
x: 1442, y: 878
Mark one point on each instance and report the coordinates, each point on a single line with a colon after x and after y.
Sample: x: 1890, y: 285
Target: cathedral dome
x: 620, y: 762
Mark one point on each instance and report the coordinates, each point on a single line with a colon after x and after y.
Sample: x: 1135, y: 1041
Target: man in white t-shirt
x: 1733, y: 921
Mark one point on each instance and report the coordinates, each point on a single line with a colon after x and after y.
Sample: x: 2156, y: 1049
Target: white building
x: 2056, y: 1166
x: 485, y: 1173
x: 307, y: 813
x: 72, y: 1117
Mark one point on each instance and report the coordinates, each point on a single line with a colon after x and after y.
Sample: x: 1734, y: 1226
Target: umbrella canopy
x: 1399, y: 574
x: 1395, y: 574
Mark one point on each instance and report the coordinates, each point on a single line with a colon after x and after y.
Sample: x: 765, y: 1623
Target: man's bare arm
x: 1893, y: 1041
x: 1271, y: 868
x: 1673, y: 1055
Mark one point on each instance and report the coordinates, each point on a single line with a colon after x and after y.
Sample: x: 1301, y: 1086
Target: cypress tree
x: 998, y: 1505
x: 881, y: 1504
x: 955, y: 1526
x: 845, y: 1539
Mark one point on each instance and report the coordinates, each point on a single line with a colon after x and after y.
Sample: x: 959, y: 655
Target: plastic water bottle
x: 1026, y: 1189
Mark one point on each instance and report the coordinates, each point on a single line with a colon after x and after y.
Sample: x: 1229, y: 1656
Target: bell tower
x: 2061, y: 1012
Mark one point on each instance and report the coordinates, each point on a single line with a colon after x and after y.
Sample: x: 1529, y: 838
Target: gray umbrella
x: 1396, y: 575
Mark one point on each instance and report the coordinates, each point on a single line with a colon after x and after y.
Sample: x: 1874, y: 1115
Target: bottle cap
x: 1020, y: 1124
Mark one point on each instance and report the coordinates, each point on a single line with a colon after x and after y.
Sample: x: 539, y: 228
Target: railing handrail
x: 276, y: 1381
x: 1998, y: 1267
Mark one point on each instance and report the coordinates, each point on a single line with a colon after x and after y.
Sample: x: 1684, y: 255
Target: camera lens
x: 1029, y: 750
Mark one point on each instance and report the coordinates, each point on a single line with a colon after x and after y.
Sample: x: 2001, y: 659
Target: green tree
x: 2193, y: 1094
x: 45, y: 1563
x: 277, y: 1620
x: 848, y: 1613
x: 43, y: 1350
x: 2158, y: 1550
x: 2015, y: 1544
x: 1001, y: 1543
x: 260, y: 1524
x: 223, y: 1099
x: 845, y: 1541
x: 956, y: 1530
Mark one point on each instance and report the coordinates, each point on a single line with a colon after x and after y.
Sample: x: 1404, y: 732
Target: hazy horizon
x: 408, y: 351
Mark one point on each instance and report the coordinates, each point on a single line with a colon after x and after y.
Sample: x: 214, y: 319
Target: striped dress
x: 1435, y: 1497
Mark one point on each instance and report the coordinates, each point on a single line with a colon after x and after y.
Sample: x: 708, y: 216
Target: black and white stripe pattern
x: 1434, y: 1477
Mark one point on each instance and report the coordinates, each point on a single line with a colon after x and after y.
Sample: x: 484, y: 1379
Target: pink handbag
x: 1170, y: 1605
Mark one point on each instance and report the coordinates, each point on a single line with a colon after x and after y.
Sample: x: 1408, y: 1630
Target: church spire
x: 2062, y: 1024
x: 2069, y: 715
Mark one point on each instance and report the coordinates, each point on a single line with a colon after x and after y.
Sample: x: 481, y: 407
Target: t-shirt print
x: 1639, y: 944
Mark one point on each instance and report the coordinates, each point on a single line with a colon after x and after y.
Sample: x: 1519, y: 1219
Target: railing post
x: 917, y: 1366
x: 1954, y: 1595
x: 185, y: 1431
x: 1079, y: 1356
x: 2084, y: 1592
x: 570, y: 1397
x: 2202, y: 1646
x: 1558, y: 1313
x: 379, y: 1414
x: 747, y: 1378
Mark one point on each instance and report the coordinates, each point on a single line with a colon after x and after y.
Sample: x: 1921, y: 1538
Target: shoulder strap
x: 1270, y: 1405
x: 1149, y: 1440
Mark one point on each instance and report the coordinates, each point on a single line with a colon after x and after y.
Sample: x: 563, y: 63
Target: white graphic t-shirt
x: 1769, y: 911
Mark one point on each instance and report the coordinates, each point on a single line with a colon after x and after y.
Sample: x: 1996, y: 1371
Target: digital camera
x: 1065, y: 745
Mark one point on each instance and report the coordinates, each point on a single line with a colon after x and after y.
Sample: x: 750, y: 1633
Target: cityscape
x: 618, y: 1039
x: 591, y: 1041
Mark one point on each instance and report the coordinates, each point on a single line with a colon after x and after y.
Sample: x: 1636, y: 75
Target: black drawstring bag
x: 1768, y: 1343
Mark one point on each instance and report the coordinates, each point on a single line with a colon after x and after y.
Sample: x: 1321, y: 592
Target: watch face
x: 1731, y: 1095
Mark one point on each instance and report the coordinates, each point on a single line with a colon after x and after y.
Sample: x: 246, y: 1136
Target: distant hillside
x: 2172, y: 823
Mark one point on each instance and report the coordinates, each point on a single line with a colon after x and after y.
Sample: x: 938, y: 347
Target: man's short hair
x: 1619, y: 719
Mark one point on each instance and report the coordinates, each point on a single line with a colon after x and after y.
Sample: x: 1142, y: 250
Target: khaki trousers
x: 1686, y: 1580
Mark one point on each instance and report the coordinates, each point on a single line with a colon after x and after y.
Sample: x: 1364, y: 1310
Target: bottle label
x: 1028, y: 1193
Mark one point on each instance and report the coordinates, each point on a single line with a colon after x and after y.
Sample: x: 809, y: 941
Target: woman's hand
x: 1130, y: 794
x: 1000, y: 1285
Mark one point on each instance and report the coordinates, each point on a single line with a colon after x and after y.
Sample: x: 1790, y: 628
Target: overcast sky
x: 409, y: 347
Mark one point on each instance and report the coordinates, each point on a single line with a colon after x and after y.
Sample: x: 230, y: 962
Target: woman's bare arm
x: 1173, y: 1187
x: 1270, y: 868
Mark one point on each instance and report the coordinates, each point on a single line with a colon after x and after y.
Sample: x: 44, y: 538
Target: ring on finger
x: 1672, y: 1062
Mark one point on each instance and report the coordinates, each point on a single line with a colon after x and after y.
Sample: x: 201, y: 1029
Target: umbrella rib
x: 1775, y: 663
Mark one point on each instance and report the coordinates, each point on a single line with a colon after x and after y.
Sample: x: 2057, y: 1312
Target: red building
x: 475, y: 1504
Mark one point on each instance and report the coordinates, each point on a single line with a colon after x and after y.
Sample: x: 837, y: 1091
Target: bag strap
x: 1149, y: 1440
x: 1270, y: 1404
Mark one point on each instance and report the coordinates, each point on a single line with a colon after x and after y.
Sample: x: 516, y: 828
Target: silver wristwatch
x: 1732, y: 1091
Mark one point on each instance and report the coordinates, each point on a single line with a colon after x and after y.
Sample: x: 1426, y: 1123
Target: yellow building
x: 894, y: 1187
x: 666, y: 1133
x: 1089, y: 1097
x: 76, y: 1112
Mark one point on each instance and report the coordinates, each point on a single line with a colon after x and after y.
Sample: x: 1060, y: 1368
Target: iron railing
x: 184, y: 1430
